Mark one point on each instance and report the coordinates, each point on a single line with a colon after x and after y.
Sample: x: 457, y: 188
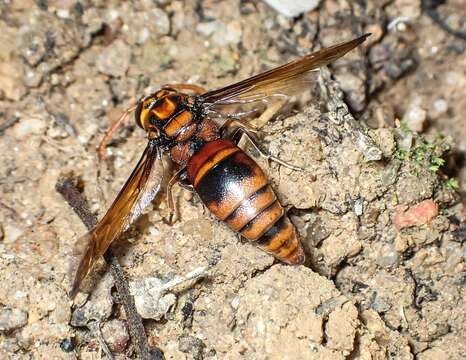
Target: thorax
x: 193, y: 139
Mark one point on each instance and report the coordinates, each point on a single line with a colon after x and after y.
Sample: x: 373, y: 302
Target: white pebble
x: 292, y: 8
x: 441, y: 106
x: 29, y: 126
x: 415, y: 118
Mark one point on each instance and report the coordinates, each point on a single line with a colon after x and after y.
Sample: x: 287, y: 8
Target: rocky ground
x: 385, y: 239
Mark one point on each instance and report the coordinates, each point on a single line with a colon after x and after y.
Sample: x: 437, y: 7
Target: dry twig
x: 67, y: 188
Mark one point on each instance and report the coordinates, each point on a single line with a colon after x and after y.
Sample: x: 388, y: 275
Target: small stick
x: 95, y: 328
x: 10, y: 122
x: 68, y: 189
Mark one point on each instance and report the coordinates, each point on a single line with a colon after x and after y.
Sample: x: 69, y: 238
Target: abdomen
x: 235, y: 190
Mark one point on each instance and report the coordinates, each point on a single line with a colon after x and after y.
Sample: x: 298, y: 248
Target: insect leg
x: 109, y: 133
x: 272, y: 109
x: 268, y: 157
x: 179, y: 178
x: 239, y: 124
x: 191, y: 87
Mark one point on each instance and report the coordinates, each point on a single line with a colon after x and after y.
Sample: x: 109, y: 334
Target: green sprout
x: 404, y: 126
x: 424, y: 154
x: 436, y: 163
x: 452, y: 184
x: 401, y: 154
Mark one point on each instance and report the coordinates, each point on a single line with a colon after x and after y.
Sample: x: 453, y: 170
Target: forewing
x: 138, y: 192
x: 284, y: 81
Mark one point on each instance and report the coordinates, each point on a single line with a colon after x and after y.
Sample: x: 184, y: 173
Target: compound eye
x: 138, y: 113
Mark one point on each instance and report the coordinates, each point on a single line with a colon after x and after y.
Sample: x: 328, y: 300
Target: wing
x: 138, y: 192
x: 283, y: 81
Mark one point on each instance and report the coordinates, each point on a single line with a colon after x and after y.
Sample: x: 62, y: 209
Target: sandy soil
x: 385, y: 239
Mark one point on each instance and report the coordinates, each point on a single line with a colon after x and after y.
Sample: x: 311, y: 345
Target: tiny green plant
x: 452, y: 184
x: 401, y: 154
x: 404, y: 126
x: 425, y: 154
x: 436, y: 163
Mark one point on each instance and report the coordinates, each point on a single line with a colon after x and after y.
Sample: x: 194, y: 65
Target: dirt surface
x: 385, y: 239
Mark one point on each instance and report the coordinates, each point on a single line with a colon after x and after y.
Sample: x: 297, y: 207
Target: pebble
x: 358, y: 206
x: 139, y: 28
x: 29, y: 126
x: 419, y: 214
x: 11, y: 319
x: 415, y: 118
x: 292, y: 8
x: 161, y: 21
x: 149, y: 299
x: 12, y: 233
x: 387, y: 256
x: 191, y: 344
x: 115, y: 335
x: 208, y: 28
x: 11, y: 83
x: 62, y: 311
x: 401, y: 243
x: 341, y: 328
x: 396, y: 68
x: 115, y: 59
x: 98, y: 307
x: 440, y: 105
x: 40, y: 242
x: 222, y: 34
x: 67, y: 345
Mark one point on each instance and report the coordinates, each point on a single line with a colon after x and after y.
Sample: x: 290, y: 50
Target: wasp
x: 193, y: 127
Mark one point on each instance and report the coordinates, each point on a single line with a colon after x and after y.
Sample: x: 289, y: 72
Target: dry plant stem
x: 95, y: 328
x: 340, y: 116
x: 9, y: 123
x: 67, y: 188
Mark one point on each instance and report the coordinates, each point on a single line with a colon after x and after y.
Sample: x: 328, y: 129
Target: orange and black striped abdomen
x: 236, y: 191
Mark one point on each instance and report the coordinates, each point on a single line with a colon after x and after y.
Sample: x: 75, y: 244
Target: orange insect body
x: 235, y: 190
x: 227, y: 180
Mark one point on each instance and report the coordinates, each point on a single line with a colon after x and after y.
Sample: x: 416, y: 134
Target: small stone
x: 11, y: 233
x: 415, y: 118
x: 67, y: 345
x: 440, y: 105
x: 115, y: 59
x: 63, y: 13
x: 192, y: 345
x: 12, y: 319
x: 401, y: 244
x: 419, y: 214
x: 39, y: 242
x: 115, y: 335
x: 387, y: 256
x: 292, y: 8
x: 62, y: 311
x: 341, y: 328
x: 358, y: 206
x: 161, y: 21
x: 29, y: 126
x: 149, y: 299
x: 99, y: 305
x: 11, y: 80
x: 33, y: 78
